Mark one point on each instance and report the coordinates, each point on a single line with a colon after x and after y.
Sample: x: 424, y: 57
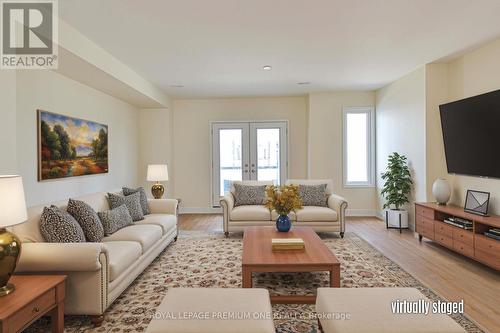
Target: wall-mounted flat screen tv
x: 471, y: 133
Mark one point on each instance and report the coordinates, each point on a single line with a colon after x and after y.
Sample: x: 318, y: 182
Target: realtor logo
x: 29, y: 34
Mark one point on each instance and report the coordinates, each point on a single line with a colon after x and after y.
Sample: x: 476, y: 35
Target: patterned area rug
x: 201, y: 260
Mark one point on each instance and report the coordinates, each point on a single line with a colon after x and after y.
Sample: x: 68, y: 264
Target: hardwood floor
x: 450, y: 275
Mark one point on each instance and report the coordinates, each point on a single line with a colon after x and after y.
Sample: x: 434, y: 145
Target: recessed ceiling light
x: 303, y: 83
x: 266, y: 68
x: 177, y: 86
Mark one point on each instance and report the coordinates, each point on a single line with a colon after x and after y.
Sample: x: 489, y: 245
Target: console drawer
x: 463, y: 236
x: 443, y: 229
x: 427, y: 231
x: 444, y: 240
x: 424, y: 223
x: 33, y: 310
x: 463, y: 248
x: 425, y: 212
x: 488, y: 245
x: 487, y: 258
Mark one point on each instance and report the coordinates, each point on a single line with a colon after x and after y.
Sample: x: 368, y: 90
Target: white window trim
x: 370, y: 111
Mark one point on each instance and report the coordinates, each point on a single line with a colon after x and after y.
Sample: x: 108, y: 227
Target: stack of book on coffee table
x: 287, y: 243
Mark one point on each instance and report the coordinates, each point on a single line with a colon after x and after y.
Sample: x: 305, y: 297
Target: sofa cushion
x: 249, y: 194
x: 133, y: 203
x: 115, y: 219
x: 166, y: 221
x: 121, y: 255
x: 58, y: 226
x: 313, y: 195
x: 318, y: 214
x: 86, y: 216
x: 146, y: 235
x: 143, y: 197
x: 250, y: 213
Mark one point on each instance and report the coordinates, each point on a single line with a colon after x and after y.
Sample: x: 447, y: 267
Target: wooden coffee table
x: 258, y: 256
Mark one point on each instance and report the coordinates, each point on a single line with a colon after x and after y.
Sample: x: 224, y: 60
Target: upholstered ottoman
x: 369, y: 310
x: 213, y: 310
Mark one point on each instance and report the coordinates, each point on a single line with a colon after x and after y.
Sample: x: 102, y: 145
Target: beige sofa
x: 321, y: 219
x: 98, y: 272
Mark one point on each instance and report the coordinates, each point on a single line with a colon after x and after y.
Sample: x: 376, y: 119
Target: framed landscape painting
x: 70, y: 147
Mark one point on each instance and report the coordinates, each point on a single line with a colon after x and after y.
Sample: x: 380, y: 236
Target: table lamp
x: 12, y: 212
x: 157, y: 173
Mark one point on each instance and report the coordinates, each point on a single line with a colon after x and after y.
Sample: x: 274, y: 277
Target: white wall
x: 436, y: 94
x: 401, y: 127
x: 325, y: 144
x: 156, y: 145
x: 47, y: 90
x: 191, y: 122
x: 8, y: 159
x: 475, y: 73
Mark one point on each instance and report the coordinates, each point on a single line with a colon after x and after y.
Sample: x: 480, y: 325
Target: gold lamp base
x: 10, y: 248
x: 7, y: 289
x: 157, y: 190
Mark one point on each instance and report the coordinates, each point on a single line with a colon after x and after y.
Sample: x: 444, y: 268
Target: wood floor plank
x: 449, y: 274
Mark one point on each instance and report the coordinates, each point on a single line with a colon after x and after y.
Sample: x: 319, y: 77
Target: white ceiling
x: 217, y: 47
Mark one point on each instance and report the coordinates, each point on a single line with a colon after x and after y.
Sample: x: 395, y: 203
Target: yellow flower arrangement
x: 283, y: 199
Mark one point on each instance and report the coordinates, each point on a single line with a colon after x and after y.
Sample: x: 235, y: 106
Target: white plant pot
x: 393, y: 218
x: 441, y: 191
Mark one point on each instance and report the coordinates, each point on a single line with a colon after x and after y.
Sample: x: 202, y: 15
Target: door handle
x: 246, y: 171
x: 253, y: 171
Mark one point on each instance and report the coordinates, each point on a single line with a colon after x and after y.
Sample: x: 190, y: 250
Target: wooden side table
x: 35, y: 296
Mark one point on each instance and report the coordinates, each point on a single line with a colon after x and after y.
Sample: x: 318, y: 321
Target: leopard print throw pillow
x: 133, y: 203
x: 88, y: 220
x: 58, y: 226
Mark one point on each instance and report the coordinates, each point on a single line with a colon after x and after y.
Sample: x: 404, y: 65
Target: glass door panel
x: 268, y: 150
x: 247, y: 151
x: 230, y: 157
x: 268, y: 154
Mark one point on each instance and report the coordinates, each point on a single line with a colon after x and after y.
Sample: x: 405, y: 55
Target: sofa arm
x: 227, y: 204
x: 163, y: 206
x: 62, y: 257
x: 338, y: 204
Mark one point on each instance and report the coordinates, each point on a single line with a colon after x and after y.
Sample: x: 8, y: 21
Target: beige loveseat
x: 97, y: 272
x: 321, y: 219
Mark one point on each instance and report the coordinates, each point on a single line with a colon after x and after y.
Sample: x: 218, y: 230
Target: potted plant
x: 397, y: 188
x: 283, y: 199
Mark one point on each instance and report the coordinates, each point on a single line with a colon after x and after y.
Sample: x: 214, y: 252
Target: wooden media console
x: 429, y: 219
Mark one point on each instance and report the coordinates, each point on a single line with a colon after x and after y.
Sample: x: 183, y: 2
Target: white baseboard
x: 208, y: 210
x: 361, y: 212
x: 199, y: 210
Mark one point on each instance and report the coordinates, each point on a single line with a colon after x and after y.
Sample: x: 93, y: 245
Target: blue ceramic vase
x: 283, y: 223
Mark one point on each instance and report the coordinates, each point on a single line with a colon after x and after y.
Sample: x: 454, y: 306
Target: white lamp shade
x: 157, y: 172
x: 12, y: 201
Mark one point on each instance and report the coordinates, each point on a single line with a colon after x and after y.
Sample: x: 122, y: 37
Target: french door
x: 247, y: 151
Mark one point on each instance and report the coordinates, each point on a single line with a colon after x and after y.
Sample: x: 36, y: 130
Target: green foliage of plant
x: 398, y: 183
